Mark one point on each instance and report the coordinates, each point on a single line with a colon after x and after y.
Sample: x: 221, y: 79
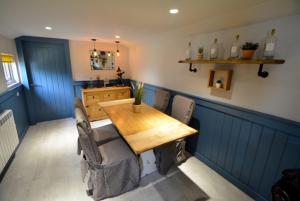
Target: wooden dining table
x: 148, y: 129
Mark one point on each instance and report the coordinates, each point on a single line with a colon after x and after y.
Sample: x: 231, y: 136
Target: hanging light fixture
x: 94, y: 53
x: 118, y: 51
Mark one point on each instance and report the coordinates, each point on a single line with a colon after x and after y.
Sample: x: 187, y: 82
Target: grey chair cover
x: 161, y: 100
x: 182, y: 108
x: 167, y: 155
x: 118, y: 171
x: 79, y: 104
x: 102, y: 134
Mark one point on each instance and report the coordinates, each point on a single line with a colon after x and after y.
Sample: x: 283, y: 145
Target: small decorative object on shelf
x: 98, y: 81
x: 220, y: 79
x: 235, y: 48
x: 120, y: 73
x: 269, y: 48
x: 188, y: 52
x: 214, y: 50
x: 138, y: 95
x: 219, y: 84
x: 248, y: 50
x: 200, y: 53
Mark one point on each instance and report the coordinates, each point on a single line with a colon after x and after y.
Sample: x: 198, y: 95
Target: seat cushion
x: 105, y: 134
x: 114, y: 152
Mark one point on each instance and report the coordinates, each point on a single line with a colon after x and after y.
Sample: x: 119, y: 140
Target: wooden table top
x: 148, y: 129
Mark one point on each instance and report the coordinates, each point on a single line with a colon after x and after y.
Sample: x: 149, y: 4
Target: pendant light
x: 94, y: 53
x: 118, y: 51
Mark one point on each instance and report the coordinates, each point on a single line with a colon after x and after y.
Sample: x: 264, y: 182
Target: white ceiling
x: 132, y: 19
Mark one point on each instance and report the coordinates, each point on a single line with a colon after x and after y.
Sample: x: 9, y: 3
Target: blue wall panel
x: 249, y: 148
x: 14, y: 99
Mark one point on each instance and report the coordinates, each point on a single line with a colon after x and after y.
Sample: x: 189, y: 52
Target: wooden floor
x: 46, y: 168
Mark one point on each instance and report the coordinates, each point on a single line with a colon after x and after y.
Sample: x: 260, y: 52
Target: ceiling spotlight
x: 173, y: 11
x: 117, y: 36
x: 48, y: 28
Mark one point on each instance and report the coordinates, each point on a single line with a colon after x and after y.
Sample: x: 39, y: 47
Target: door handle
x: 35, y: 85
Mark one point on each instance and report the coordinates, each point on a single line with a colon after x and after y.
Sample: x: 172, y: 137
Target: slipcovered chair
x: 102, y: 134
x: 161, y: 100
x: 167, y: 155
x: 113, y: 167
x: 182, y: 110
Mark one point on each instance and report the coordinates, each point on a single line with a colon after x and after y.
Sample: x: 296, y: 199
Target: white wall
x: 80, y: 60
x: 155, y: 61
x: 6, y: 46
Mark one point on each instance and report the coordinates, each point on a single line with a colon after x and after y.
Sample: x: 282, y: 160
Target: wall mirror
x: 102, y: 60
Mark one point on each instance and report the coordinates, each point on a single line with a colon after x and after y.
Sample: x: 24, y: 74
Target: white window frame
x: 11, y: 73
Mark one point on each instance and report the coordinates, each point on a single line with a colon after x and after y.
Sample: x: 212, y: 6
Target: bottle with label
x: 235, y: 48
x: 214, y: 50
x: 188, y: 52
x: 270, y: 45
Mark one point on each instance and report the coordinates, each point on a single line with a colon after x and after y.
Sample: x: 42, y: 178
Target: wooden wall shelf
x: 260, y: 62
x: 225, y: 75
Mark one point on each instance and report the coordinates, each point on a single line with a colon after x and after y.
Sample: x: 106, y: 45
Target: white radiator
x: 8, y: 137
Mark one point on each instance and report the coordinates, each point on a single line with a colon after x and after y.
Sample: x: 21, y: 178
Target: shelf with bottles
x: 239, y: 54
x: 260, y: 62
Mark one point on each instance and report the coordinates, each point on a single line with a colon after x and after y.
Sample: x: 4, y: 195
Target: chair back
x: 88, y: 144
x: 182, y: 108
x: 78, y: 104
x: 81, y: 118
x: 161, y: 100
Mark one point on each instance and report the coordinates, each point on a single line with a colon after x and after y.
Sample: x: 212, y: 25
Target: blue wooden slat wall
x: 248, y: 148
x: 10, y: 100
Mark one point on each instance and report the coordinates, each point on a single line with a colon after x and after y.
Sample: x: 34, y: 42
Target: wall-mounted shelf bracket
x: 192, y: 69
x: 262, y: 73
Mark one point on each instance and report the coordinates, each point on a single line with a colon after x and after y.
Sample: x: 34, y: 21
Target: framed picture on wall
x: 102, y: 60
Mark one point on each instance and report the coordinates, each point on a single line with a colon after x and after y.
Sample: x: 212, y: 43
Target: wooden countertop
x: 104, y: 89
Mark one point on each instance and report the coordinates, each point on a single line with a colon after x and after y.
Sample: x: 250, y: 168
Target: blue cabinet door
x: 49, y: 79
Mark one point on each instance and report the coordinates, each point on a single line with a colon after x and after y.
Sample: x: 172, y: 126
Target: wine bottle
x: 270, y: 45
x: 214, y: 50
x: 188, y: 52
x: 235, y: 48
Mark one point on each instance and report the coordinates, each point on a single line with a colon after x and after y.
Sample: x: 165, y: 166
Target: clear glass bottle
x: 214, y: 50
x: 235, y: 48
x: 270, y: 43
x: 188, y: 52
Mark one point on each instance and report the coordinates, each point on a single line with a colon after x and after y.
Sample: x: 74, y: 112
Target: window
x: 10, y: 69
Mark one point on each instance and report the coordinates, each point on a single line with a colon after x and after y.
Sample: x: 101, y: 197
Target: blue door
x: 49, y: 79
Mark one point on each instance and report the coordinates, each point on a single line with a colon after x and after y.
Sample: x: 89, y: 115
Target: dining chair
x: 113, y: 167
x: 101, y: 134
x: 161, y: 100
x: 174, y: 152
x: 182, y: 110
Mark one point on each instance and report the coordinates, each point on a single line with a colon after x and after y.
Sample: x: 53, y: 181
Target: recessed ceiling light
x: 48, y: 28
x: 117, y: 36
x: 173, y: 11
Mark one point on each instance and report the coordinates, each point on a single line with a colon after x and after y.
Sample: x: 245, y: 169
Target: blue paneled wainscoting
x: 14, y: 99
x: 248, y: 148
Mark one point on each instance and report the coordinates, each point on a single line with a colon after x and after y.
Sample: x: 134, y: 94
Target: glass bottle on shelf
x: 270, y: 43
x: 214, y: 50
x: 235, y: 48
x: 188, y: 52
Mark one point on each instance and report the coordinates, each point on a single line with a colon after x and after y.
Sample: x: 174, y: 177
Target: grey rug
x: 175, y: 186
